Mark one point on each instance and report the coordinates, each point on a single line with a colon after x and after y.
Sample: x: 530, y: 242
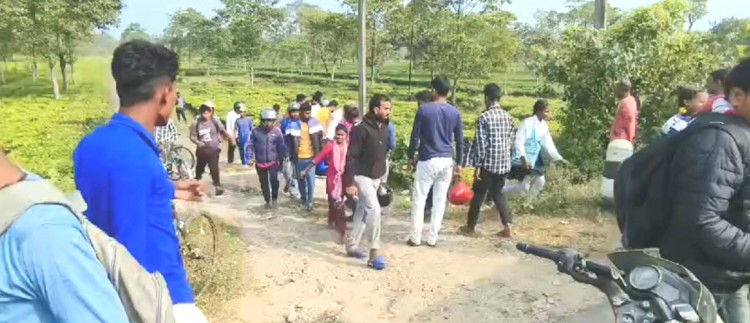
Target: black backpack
x: 641, y: 192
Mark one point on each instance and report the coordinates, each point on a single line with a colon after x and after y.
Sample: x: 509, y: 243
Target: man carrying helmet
x: 266, y: 150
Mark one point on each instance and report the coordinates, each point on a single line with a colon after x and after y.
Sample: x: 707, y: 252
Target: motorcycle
x: 640, y: 287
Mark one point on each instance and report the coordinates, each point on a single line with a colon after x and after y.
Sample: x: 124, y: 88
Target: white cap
x: 242, y: 107
x: 209, y: 104
x: 325, y: 103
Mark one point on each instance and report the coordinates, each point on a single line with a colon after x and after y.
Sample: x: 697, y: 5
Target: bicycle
x: 179, y: 162
x: 198, y: 238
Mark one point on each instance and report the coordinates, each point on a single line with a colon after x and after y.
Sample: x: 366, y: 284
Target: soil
x: 297, y: 272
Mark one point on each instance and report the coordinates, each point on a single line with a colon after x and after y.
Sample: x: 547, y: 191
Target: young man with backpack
x: 123, y: 182
x: 695, y: 209
x: 205, y: 133
x: 41, y: 244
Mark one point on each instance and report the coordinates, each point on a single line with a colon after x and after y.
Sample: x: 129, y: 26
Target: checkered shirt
x: 167, y: 134
x: 494, y: 140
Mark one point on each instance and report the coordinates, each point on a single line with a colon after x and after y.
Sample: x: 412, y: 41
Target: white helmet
x: 209, y: 104
x: 268, y: 114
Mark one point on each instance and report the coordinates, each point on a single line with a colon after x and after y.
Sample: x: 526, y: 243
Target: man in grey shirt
x: 205, y: 134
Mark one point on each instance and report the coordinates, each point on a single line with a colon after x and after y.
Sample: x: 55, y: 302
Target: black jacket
x: 368, y: 144
x: 710, y: 221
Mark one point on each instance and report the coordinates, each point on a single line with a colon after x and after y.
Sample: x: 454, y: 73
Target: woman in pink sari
x: 334, y: 153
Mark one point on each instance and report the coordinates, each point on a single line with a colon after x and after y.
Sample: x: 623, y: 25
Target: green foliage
x: 646, y: 46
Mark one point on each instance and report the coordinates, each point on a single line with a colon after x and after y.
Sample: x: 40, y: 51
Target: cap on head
x: 242, y: 107
x: 209, y: 104
x: 268, y: 114
x: 325, y: 103
x: 294, y: 106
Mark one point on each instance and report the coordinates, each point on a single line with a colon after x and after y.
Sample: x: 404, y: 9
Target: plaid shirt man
x: 167, y: 134
x: 494, y: 140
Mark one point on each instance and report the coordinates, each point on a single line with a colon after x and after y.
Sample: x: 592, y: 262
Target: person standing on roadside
x: 205, y: 134
x: 291, y: 121
x: 123, y: 182
x: 493, y: 141
x: 266, y: 150
x: 232, y: 117
x: 437, y: 128
x: 180, y: 107
x: 305, y: 140
x: 242, y: 128
x: 423, y: 97
x: 626, y: 119
x: 365, y: 166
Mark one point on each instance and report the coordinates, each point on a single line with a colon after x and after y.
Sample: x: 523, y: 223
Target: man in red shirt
x: 626, y: 119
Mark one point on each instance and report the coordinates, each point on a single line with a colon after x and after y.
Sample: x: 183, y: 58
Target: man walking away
x: 306, y: 141
x: 494, y: 141
x: 232, y: 117
x: 365, y: 165
x: 119, y: 174
x: 708, y: 229
x: 242, y: 128
x: 424, y: 97
x: 437, y: 126
x: 50, y: 271
x: 205, y: 133
x: 266, y: 150
x: 626, y: 119
x: 180, y: 108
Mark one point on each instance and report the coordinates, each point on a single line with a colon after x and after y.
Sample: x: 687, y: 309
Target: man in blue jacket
x: 120, y: 176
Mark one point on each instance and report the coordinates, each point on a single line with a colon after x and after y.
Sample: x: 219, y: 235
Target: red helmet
x: 460, y: 194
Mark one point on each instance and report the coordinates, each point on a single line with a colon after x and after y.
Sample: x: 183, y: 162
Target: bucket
x: 617, y: 151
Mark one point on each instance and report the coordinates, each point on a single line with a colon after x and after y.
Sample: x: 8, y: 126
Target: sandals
x: 378, y: 263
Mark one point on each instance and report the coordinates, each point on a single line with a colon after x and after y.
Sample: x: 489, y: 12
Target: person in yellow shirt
x: 324, y: 115
x: 305, y: 140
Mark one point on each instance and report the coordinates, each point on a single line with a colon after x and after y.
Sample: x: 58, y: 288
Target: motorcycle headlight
x: 644, y: 278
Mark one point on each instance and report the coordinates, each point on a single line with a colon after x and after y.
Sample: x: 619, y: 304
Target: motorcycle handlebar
x: 557, y: 256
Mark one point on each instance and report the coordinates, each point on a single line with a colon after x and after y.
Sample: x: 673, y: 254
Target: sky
x: 155, y: 16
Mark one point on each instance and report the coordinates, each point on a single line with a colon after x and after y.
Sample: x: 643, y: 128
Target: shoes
x: 466, y: 230
x: 411, y: 243
x: 274, y: 204
x: 219, y: 191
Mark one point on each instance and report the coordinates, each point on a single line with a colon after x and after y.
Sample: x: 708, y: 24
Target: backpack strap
x: 18, y: 198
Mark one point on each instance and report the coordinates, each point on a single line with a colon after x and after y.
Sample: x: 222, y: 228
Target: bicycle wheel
x: 187, y: 156
x: 198, y: 246
x: 181, y: 170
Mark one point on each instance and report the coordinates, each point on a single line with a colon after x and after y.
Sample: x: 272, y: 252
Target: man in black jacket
x: 365, y: 166
x: 709, y: 231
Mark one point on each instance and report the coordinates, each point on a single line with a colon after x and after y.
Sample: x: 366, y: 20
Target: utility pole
x: 362, y: 57
x: 600, y: 7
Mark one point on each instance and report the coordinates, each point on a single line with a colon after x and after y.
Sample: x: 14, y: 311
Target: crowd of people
x: 129, y: 196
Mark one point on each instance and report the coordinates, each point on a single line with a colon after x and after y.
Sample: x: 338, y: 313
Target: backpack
x: 144, y: 296
x: 641, y: 192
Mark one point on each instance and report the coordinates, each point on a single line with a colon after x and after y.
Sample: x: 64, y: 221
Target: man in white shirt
x: 316, y: 100
x: 337, y: 115
x: 232, y: 117
x: 532, y: 137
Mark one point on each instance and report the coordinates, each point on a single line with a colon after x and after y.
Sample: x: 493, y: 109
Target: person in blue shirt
x: 48, y: 267
x: 119, y: 174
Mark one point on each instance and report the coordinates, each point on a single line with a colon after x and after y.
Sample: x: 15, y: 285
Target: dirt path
x: 298, y: 273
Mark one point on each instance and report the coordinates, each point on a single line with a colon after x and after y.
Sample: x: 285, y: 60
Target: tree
x: 327, y: 33
x: 647, y: 46
x: 379, y: 16
x: 732, y: 36
x: 696, y: 11
x: 134, y: 31
x: 183, y: 32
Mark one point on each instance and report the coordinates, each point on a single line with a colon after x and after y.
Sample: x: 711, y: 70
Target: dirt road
x: 298, y: 273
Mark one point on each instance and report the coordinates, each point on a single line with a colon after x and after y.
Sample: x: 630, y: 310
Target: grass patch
x: 225, y: 279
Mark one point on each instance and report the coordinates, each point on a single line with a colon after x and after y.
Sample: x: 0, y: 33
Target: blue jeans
x: 734, y: 307
x: 243, y: 154
x: 307, y: 184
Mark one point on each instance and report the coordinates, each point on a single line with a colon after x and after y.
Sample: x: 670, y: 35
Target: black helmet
x: 385, y: 195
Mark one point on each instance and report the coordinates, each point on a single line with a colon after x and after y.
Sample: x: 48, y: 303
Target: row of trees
x: 458, y: 38
x: 48, y: 31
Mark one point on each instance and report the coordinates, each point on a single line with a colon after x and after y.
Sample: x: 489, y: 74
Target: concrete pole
x: 600, y: 7
x: 362, y: 57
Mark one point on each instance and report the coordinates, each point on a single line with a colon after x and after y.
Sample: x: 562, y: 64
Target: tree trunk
x: 454, y: 90
x: 252, y: 76
x: 2, y: 74
x: 73, y: 73
x: 34, y: 70
x: 64, y: 71
x: 53, y: 78
x: 333, y: 72
x: 411, y: 57
x: 372, y: 58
